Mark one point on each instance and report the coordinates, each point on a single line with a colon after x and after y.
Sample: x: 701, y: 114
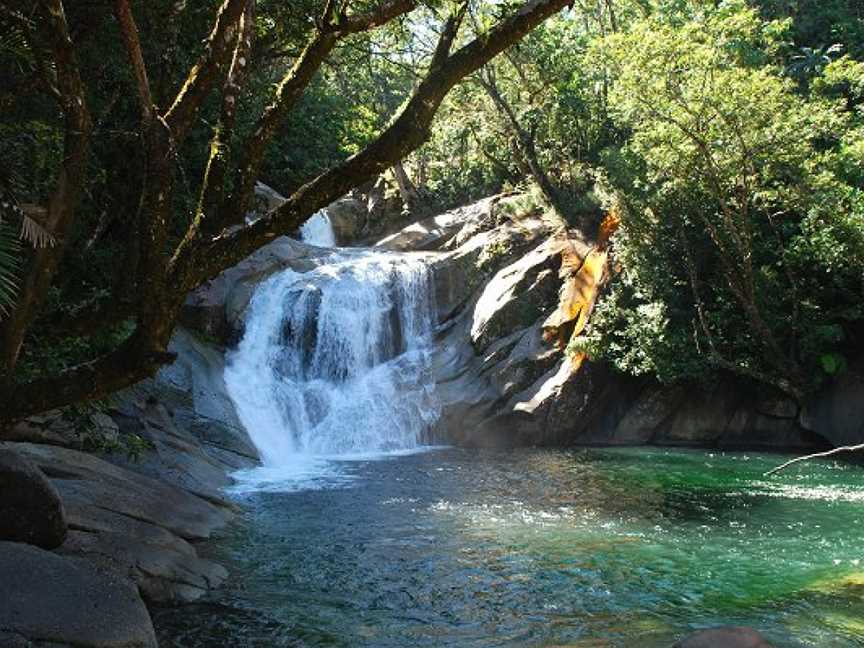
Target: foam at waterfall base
x: 313, y: 472
x: 335, y: 366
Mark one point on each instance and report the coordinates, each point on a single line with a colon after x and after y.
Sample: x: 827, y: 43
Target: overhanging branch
x: 406, y: 132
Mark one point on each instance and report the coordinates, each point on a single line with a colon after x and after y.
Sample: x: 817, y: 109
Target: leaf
x: 832, y: 363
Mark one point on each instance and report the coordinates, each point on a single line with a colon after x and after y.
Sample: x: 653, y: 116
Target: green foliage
x: 741, y: 202
x: 90, y: 424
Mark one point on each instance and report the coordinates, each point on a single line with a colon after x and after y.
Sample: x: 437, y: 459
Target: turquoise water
x: 599, y: 548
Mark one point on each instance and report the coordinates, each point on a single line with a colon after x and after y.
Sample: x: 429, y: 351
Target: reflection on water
x: 542, y: 548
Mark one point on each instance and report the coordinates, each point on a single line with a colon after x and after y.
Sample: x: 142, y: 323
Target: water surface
x: 600, y: 548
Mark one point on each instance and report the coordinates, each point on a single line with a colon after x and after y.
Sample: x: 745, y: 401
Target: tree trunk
x: 407, y: 190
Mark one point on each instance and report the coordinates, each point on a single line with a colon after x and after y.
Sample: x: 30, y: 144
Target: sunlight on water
x: 628, y: 548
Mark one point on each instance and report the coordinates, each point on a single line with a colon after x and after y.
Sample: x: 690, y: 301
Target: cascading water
x: 318, y: 230
x: 335, y: 362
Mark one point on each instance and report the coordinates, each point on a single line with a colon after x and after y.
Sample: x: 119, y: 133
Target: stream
x: 358, y: 530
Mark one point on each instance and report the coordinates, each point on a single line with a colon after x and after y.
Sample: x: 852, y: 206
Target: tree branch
x: 129, y: 31
x: 201, y: 77
x: 289, y: 91
x: 213, y: 183
x: 407, y: 131
x: 817, y: 455
x: 130, y: 362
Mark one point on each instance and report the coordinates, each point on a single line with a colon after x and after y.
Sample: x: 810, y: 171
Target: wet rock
x: 55, y: 600
x: 348, y: 218
x: 30, y: 507
x: 725, y: 637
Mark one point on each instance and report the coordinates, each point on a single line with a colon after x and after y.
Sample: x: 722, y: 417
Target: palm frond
x: 35, y: 234
x: 10, y: 248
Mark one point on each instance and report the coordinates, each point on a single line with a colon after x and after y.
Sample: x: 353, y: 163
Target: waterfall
x: 335, y: 362
x: 318, y: 230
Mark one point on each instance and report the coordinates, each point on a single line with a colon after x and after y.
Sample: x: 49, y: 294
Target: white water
x: 334, y: 364
x: 318, y: 230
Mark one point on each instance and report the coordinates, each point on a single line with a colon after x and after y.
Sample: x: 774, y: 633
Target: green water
x: 632, y: 547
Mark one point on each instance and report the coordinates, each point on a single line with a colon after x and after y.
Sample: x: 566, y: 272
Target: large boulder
x: 517, y: 295
x: 165, y: 569
x: 30, y: 507
x: 86, y: 482
x: 58, y: 601
x: 836, y: 413
x: 725, y: 637
x: 348, y: 217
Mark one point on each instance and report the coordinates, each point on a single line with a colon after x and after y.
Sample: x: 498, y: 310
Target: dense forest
x: 727, y: 136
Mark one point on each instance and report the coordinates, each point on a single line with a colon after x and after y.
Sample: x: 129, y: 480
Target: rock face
x: 30, y: 507
x: 725, y: 637
x: 132, y: 522
x: 348, y: 217
x: 58, y: 601
x: 498, y: 268
x: 837, y: 411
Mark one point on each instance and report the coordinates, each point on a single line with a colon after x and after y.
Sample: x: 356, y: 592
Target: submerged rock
x: 58, y: 601
x: 725, y: 637
x: 30, y: 507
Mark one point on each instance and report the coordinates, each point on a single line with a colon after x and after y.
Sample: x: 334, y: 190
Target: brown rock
x: 725, y: 637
